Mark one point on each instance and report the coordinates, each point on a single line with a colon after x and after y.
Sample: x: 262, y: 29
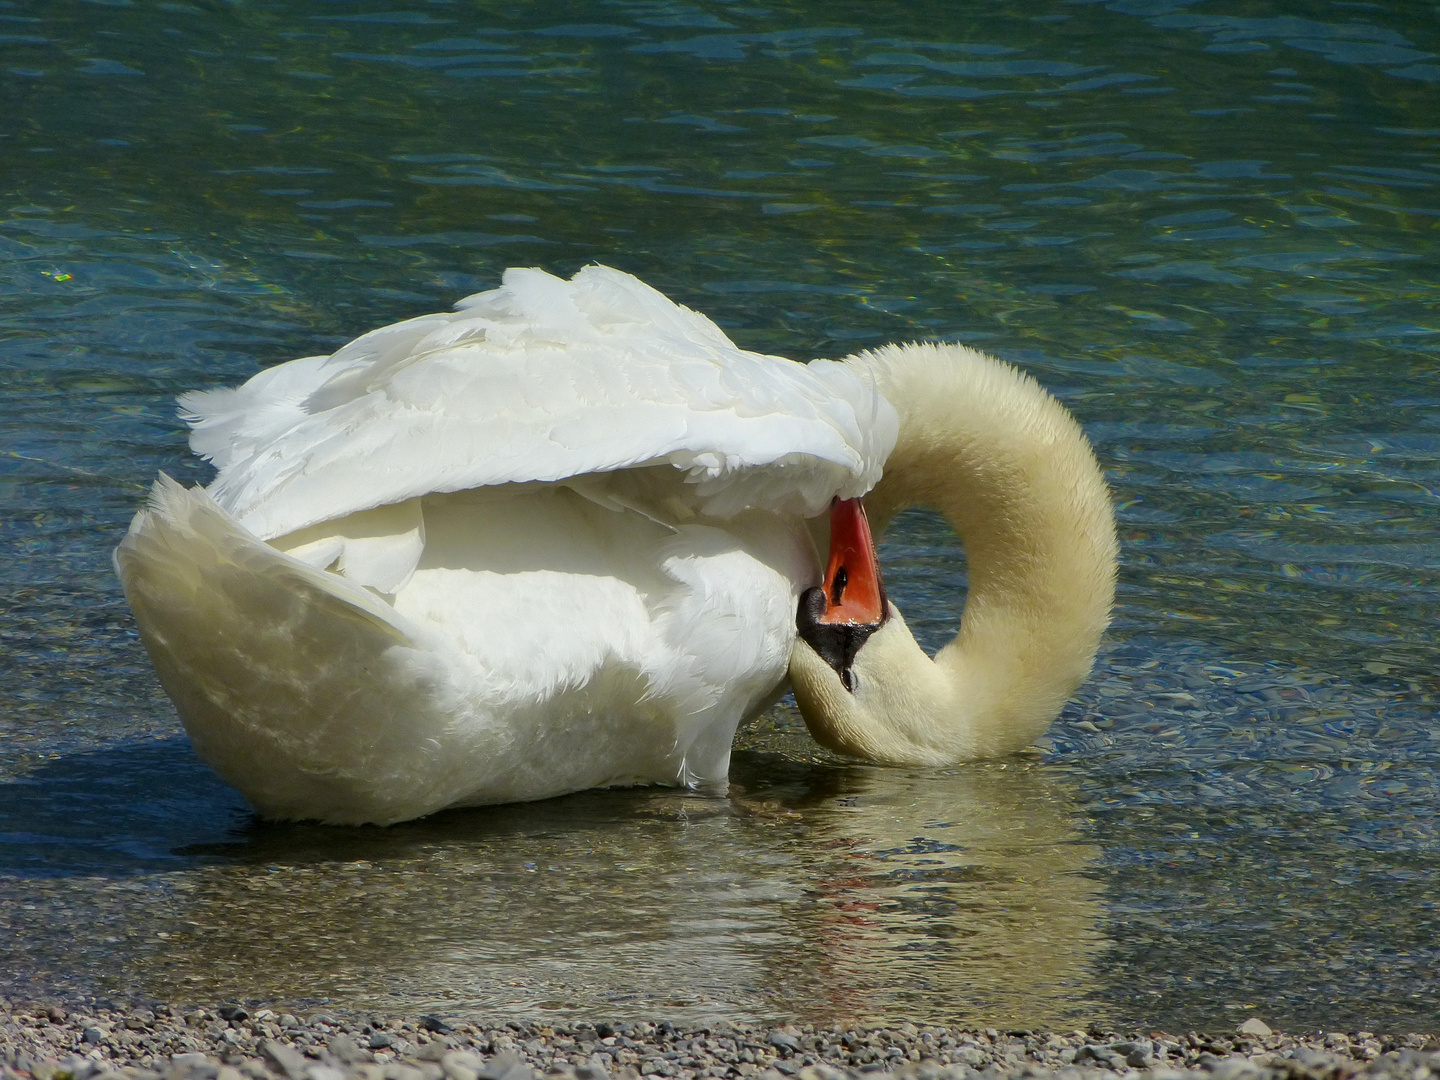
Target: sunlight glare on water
x: 1209, y: 226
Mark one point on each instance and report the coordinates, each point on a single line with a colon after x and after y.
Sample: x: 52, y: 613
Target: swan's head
x: 837, y: 619
x: 862, y: 684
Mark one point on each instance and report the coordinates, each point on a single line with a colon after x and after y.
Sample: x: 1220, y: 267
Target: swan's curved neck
x: 1012, y: 472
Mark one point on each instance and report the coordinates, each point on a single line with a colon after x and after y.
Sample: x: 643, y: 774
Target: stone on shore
x: 47, y: 1042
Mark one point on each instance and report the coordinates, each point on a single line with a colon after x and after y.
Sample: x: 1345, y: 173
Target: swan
x: 568, y: 535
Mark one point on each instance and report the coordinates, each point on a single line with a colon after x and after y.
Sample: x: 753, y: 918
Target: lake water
x: 1210, y: 226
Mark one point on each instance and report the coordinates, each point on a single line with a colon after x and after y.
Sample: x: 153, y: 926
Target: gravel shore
x: 45, y: 1042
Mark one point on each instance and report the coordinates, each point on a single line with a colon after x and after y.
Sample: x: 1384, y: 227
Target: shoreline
x: 229, y: 1042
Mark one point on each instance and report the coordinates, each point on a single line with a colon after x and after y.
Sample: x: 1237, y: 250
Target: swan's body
x: 555, y: 540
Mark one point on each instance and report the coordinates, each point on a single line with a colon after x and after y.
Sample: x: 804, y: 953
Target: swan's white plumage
x: 546, y: 542
x: 542, y: 379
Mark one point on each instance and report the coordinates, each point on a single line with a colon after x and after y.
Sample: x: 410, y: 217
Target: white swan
x: 555, y: 540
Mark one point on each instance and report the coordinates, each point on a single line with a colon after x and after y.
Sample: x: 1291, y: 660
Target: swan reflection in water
x: 814, y: 891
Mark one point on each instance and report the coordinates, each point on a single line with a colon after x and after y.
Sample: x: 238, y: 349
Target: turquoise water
x: 1210, y: 227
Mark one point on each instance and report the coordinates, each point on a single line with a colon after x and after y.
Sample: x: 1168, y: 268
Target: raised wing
x: 539, y: 380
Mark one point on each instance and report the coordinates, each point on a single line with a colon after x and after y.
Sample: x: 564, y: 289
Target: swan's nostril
x: 852, y: 576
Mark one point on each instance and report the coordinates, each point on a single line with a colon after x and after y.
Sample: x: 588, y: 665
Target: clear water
x: 1209, y: 225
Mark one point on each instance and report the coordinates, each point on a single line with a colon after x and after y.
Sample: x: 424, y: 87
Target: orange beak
x: 854, y: 592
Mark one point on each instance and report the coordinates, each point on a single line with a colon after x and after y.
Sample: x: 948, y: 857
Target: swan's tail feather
x: 279, y: 670
x: 176, y: 517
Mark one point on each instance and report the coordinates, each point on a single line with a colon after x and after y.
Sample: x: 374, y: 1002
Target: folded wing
x: 540, y: 380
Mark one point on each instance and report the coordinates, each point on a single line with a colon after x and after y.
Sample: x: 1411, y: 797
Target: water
x: 1209, y: 226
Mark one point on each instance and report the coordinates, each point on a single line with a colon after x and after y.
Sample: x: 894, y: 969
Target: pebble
x: 228, y: 1042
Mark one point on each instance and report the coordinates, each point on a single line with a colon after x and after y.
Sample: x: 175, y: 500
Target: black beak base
x: 836, y: 643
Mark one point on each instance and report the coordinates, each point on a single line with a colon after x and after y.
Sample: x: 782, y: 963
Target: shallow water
x: 1210, y: 227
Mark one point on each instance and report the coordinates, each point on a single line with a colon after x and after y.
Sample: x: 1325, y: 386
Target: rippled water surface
x: 1210, y: 226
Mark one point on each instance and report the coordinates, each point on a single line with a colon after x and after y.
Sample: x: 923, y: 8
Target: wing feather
x: 540, y: 380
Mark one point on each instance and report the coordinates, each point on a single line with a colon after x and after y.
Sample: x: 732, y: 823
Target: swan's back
x: 542, y: 379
